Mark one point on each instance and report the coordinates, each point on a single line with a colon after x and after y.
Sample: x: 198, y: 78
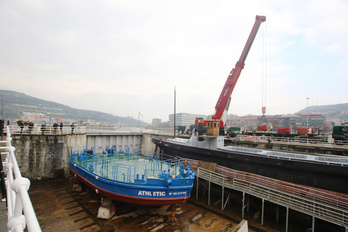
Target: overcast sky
x: 122, y: 57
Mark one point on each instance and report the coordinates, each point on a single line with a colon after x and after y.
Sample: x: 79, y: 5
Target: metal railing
x: 50, y: 130
x: 327, y: 159
x: 326, y: 205
x: 17, y: 192
x: 127, y: 129
x: 127, y: 164
x: 297, y: 139
x: 67, y: 129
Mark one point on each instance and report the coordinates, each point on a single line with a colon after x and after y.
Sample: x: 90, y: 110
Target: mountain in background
x: 329, y: 111
x: 13, y: 104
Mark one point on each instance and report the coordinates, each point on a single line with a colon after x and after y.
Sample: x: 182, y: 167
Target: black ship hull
x: 323, y: 175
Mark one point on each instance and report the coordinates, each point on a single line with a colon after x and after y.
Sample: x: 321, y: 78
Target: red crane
x: 222, y: 105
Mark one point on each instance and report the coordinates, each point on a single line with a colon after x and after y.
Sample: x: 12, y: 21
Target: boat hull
x: 327, y: 176
x: 141, y: 194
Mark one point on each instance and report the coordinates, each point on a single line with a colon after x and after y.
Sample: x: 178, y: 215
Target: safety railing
x: 17, y: 187
x: 327, y: 159
x: 326, y: 197
x: 324, y: 140
x: 46, y: 130
x: 127, y: 164
x: 321, y: 204
x: 127, y: 129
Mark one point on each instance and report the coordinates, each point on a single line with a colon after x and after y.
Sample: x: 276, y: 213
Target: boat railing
x: 112, y: 162
x: 18, y: 200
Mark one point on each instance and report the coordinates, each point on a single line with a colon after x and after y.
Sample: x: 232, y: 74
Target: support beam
x: 222, y: 202
x: 263, y: 210
x: 209, y: 194
x: 287, y: 219
x: 243, y: 205
x: 197, y: 184
x: 313, y: 223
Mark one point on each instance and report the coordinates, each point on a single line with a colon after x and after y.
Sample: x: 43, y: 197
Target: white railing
x: 287, y: 140
x: 126, y: 129
x: 17, y: 192
x: 326, y: 205
x: 67, y: 129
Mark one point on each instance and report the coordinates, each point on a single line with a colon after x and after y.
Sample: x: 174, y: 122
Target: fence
x: 39, y: 129
x: 325, y: 140
x: 326, y: 205
x: 127, y: 164
x: 17, y: 192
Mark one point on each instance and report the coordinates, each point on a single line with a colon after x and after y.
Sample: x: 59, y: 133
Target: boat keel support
x: 172, y: 220
x: 107, y: 209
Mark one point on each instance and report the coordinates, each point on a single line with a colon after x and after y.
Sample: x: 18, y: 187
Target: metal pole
x: 223, y: 192
x: 209, y: 190
x: 197, y: 184
x: 2, y: 107
x: 313, y: 223
x: 263, y: 208
x: 243, y: 205
x: 287, y: 219
x: 307, y: 111
x: 174, y: 111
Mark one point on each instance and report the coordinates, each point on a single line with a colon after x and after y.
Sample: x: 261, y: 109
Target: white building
x: 184, y: 119
x: 156, y: 122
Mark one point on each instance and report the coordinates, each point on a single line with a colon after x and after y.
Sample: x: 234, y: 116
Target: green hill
x: 16, y: 103
x: 329, y: 111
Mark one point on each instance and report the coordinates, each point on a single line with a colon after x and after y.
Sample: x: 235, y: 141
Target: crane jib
x: 222, y: 104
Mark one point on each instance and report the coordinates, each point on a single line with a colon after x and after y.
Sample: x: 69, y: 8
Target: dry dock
x: 58, y: 208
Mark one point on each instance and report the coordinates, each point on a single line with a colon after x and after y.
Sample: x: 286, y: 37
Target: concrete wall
x: 132, y: 140
x: 45, y: 156
x: 147, y: 144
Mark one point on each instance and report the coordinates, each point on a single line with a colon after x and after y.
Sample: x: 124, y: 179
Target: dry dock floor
x: 58, y: 208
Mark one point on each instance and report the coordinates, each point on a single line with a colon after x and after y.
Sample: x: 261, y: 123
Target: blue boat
x: 135, y: 177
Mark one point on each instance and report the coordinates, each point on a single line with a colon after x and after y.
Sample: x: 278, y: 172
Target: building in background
x: 184, y: 119
x: 294, y: 121
x: 156, y: 122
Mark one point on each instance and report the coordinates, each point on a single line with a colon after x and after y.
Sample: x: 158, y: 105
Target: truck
x: 340, y: 134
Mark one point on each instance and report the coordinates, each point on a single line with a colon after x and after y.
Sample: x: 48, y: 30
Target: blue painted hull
x: 154, y: 191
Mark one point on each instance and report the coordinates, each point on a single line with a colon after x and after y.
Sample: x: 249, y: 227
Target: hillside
x: 16, y: 103
x: 329, y: 111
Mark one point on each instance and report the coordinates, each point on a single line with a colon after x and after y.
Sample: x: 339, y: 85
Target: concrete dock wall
x: 133, y: 140
x: 47, y: 156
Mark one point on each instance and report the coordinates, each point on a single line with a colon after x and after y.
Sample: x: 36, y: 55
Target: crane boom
x: 223, y: 102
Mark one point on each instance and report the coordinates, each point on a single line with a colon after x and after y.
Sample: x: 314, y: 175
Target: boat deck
x: 125, y: 167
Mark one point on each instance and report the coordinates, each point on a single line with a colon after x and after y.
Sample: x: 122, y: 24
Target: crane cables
x: 264, y: 69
